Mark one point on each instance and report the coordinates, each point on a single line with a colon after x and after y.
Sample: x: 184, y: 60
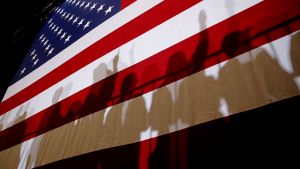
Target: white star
x: 63, y: 35
x: 94, y: 6
x: 59, y: 32
x: 44, y: 38
x: 50, y: 25
x: 62, y: 10
x: 68, y: 38
x: 50, y: 21
x: 46, y: 42
x: 67, y: 16
x: 34, y: 56
x: 50, y: 51
x: 81, y: 4
x: 47, y: 47
x: 35, y: 62
x: 80, y: 23
x: 73, y: 1
x: 71, y: 18
x: 41, y: 36
x: 32, y: 52
x: 75, y: 20
x: 64, y: 15
x: 86, y: 25
x: 58, y: 10
x: 56, y: 29
x: 100, y: 8
x: 23, y: 70
x: 53, y: 27
x: 87, y: 5
x: 78, y: 2
x: 109, y: 9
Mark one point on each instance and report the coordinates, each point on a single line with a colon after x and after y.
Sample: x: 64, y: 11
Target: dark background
x: 20, y: 22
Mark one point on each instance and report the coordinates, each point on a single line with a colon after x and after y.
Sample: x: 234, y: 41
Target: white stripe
x: 116, y: 21
x: 149, y: 132
x: 183, y: 26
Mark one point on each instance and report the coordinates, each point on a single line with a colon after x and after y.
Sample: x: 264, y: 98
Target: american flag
x: 106, y: 73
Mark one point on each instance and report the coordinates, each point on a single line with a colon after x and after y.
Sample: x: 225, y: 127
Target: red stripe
x: 129, y: 31
x: 165, y: 67
x: 126, y: 3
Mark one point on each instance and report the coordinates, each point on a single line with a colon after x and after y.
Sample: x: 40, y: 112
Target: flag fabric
x: 108, y: 78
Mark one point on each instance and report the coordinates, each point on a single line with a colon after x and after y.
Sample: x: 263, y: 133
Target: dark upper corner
x: 20, y: 22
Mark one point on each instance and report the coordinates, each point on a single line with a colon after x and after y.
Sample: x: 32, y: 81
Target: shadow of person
x: 119, y: 126
x: 91, y: 126
x: 259, y: 81
x: 75, y: 133
x: 266, y: 68
x: 150, y: 73
x: 236, y: 42
x: 101, y: 92
x: 89, y: 114
x: 134, y: 116
x: 48, y: 121
x: 198, y: 100
x: 99, y: 95
x: 53, y: 115
x: 201, y: 53
x: 198, y: 95
x: 12, y: 156
x: 159, y: 120
x: 163, y: 116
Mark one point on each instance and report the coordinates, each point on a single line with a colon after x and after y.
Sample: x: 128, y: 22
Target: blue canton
x: 64, y: 25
